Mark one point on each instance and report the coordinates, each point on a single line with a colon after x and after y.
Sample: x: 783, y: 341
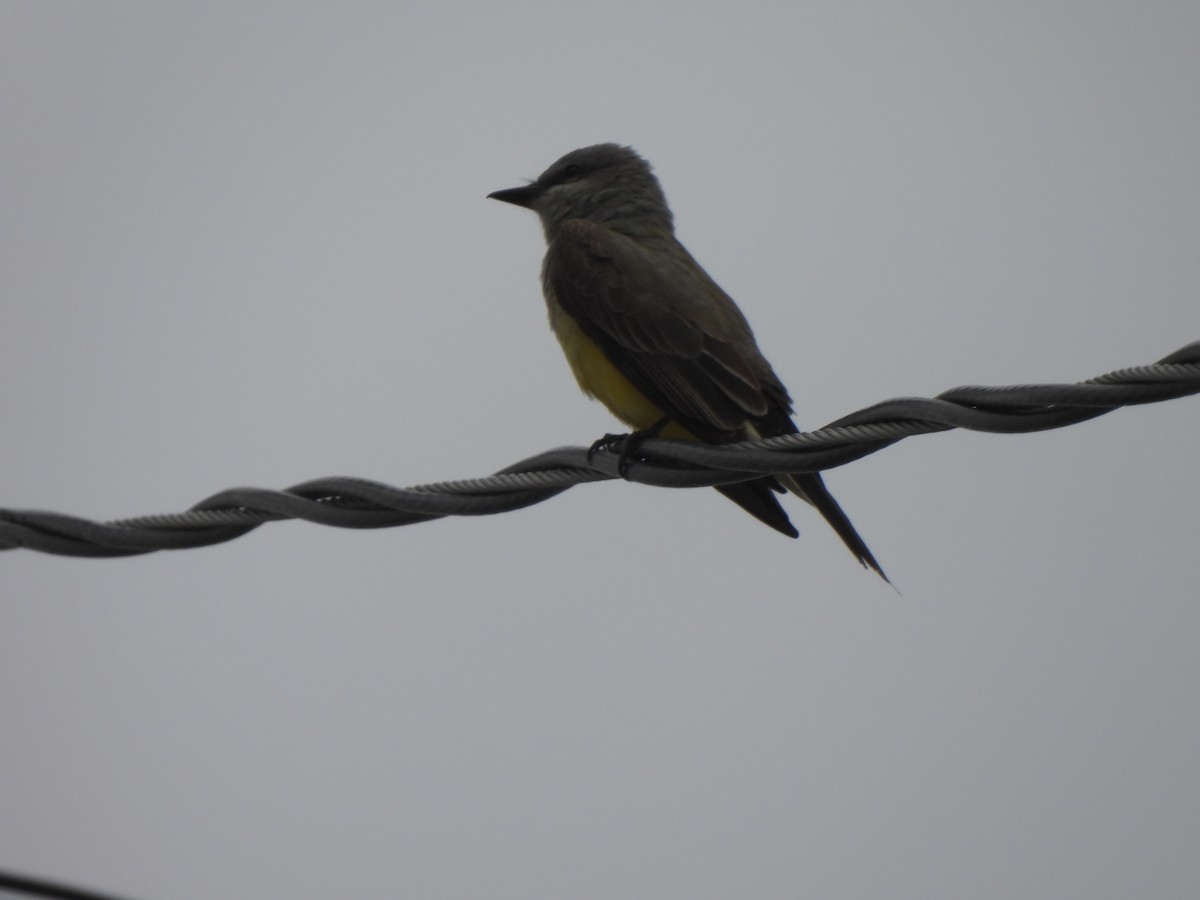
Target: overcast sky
x: 247, y: 244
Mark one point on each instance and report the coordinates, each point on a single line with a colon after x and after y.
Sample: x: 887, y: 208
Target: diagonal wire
x: 358, y: 503
x: 39, y: 887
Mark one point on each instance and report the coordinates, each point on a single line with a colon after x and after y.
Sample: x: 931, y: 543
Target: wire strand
x: 38, y: 887
x: 343, y: 502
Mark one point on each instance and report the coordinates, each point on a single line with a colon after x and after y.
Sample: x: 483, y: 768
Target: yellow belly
x: 598, y: 377
x: 602, y: 381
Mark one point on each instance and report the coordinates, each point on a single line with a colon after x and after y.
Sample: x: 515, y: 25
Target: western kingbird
x: 649, y: 333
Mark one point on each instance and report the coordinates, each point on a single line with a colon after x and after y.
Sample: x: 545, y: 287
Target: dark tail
x: 813, y: 489
x: 758, y: 499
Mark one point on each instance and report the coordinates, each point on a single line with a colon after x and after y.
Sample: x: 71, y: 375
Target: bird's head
x: 604, y: 183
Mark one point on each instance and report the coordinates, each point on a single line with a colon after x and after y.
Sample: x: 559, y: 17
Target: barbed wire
x: 344, y: 502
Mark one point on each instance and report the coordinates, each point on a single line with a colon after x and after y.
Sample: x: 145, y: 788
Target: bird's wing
x: 667, y: 327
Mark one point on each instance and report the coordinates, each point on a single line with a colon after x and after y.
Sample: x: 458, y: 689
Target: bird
x: 650, y: 334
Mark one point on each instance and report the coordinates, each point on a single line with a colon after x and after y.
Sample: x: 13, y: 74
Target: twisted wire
x: 358, y: 503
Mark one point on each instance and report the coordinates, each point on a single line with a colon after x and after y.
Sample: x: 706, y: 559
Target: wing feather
x: 667, y: 326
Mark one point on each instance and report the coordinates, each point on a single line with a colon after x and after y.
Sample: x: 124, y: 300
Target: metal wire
x: 358, y: 503
x: 40, y: 887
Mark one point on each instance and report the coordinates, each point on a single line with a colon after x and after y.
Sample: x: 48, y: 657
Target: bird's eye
x: 572, y: 171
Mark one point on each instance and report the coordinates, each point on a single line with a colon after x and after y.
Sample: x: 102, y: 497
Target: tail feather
x: 812, y: 488
x: 758, y: 499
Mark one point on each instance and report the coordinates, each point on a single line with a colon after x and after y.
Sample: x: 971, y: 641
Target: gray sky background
x: 249, y: 245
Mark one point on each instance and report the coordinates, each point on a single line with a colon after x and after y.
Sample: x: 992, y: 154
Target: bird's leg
x: 628, y: 443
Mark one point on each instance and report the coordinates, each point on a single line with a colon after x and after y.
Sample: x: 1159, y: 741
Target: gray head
x: 602, y: 183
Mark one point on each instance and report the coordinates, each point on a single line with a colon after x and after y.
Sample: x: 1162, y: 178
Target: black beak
x: 519, y: 196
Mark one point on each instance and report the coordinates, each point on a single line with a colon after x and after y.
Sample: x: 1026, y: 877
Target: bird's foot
x: 625, y: 444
